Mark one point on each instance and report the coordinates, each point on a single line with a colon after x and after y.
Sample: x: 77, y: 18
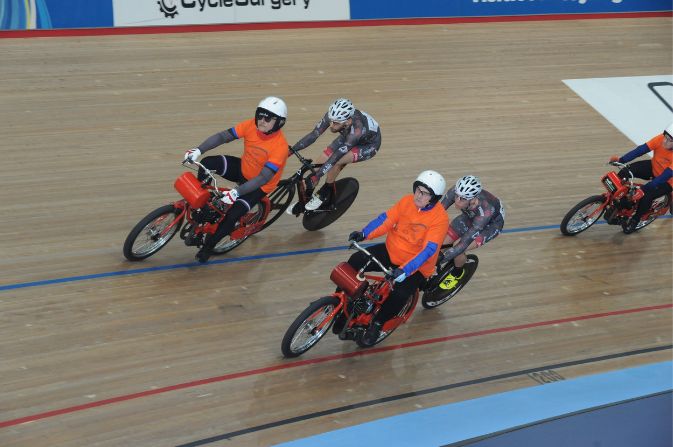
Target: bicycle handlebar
x: 359, y: 247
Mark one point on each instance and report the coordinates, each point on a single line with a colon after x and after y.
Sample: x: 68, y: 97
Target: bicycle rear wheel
x: 304, y: 333
x: 435, y: 296
x: 280, y: 199
x: 253, y: 216
x: 152, y: 233
x: 346, y: 192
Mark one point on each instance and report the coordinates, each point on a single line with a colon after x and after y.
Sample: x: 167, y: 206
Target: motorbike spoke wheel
x: 251, y: 217
x: 435, y: 296
x: 280, y: 199
x: 658, y: 204
x: 304, y: 333
x: 582, y: 216
x: 149, y: 235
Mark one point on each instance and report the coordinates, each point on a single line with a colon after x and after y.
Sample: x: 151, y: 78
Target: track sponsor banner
x: 394, y: 9
x: 639, y: 106
x: 190, y: 12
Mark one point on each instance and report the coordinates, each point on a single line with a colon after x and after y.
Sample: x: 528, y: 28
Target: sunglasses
x: 266, y: 118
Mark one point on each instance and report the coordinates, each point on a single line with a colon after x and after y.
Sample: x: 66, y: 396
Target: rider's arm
x: 659, y: 180
x: 254, y: 183
x: 478, y: 224
x: 449, y: 198
x: 635, y: 153
x: 383, y: 223
x: 226, y: 136
x: 310, y: 137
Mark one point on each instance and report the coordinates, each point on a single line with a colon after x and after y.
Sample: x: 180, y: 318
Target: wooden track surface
x: 93, y: 134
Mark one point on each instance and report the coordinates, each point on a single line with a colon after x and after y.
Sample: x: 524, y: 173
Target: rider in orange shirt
x: 257, y: 172
x: 659, y: 171
x: 416, y: 226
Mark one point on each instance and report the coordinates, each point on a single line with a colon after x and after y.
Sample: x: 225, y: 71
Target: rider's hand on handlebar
x: 229, y: 197
x: 614, y: 159
x: 356, y: 236
x: 398, y: 275
x: 192, y: 155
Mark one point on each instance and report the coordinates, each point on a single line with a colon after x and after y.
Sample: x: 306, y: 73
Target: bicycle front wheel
x: 280, y: 198
x: 435, y: 296
x: 306, y: 330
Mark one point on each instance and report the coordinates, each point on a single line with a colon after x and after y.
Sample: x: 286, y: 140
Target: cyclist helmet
x: 433, y: 181
x: 341, y: 110
x: 669, y: 131
x: 272, y: 107
x: 468, y: 187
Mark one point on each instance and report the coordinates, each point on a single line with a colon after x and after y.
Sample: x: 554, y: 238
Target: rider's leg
x: 328, y: 190
x: 644, y: 205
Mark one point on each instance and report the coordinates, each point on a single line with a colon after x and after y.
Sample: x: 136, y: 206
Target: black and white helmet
x: 272, y: 107
x: 468, y: 187
x: 341, y: 110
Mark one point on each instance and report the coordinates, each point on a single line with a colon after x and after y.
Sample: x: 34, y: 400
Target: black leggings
x: 230, y: 168
x: 643, y: 170
x: 401, y: 291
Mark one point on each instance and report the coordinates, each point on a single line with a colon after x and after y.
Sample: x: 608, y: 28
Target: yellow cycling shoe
x: 451, y: 281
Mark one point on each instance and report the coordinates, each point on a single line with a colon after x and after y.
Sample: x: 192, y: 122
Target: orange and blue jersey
x: 261, y: 150
x: 414, y: 235
x: 662, y: 160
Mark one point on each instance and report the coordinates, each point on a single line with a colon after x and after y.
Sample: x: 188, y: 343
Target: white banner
x: 639, y: 106
x: 193, y: 12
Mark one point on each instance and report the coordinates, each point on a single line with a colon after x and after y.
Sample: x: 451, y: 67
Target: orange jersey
x: 261, y: 150
x: 662, y: 158
x: 414, y: 236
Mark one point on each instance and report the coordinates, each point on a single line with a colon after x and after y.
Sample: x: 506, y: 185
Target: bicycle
x: 616, y: 204
x: 201, y: 208
x: 349, y: 311
x: 280, y: 198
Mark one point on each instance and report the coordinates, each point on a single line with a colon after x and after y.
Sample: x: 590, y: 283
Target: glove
x: 356, y: 236
x: 637, y: 194
x: 398, y: 275
x: 614, y: 158
x: 229, y: 197
x: 192, y: 155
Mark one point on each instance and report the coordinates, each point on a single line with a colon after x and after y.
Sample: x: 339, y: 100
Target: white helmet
x: 272, y: 107
x: 432, y: 180
x: 468, y: 187
x: 341, y: 110
x: 669, y: 130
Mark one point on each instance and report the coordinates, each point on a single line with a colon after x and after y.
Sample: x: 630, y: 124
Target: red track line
x: 171, y: 29
x: 295, y: 364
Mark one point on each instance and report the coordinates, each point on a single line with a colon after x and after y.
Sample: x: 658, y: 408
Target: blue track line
x: 67, y: 279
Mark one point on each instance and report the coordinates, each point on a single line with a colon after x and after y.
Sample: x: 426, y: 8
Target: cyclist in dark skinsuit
x: 481, y: 220
x: 359, y: 138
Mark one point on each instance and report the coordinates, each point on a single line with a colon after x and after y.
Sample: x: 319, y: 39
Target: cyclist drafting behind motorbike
x: 481, y: 220
x: 359, y: 139
x: 659, y: 171
x: 258, y: 170
x: 416, y: 226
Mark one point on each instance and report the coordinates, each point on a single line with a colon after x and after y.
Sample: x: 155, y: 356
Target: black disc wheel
x: 306, y: 330
x: 346, y: 192
x: 435, y: 295
x: 153, y: 232
x: 582, y: 216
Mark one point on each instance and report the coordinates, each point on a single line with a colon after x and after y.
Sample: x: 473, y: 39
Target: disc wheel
x: 582, y: 216
x: 346, y: 192
x: 152, y: 233
x: 435, y: 296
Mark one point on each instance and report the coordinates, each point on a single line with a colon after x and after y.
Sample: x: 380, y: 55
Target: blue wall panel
x: 14, y: 14
x: 395, y: 9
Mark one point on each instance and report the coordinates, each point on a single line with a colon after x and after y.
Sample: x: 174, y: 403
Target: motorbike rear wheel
x: 303, y: 333
x: 251, y: 217
x: 581, y: 216
x: 658, y: 204
x: 147, y: 238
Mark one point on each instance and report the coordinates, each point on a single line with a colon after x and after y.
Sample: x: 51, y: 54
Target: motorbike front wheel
x: 152, y: 233
x: 304, y: 332
x: 582, y: 216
